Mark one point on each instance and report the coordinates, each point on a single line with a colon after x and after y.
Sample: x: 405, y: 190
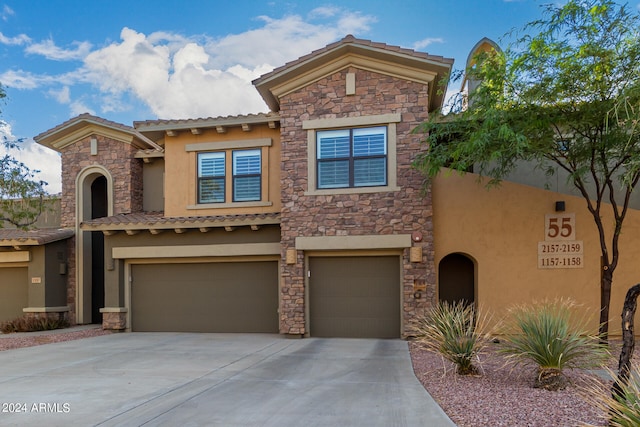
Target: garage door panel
x: 355, y: 297
x: 214, y: 297
x: 14, y: 293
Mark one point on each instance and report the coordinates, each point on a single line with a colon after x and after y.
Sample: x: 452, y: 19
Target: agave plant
x: 548, y: 336
x: 455, y: 331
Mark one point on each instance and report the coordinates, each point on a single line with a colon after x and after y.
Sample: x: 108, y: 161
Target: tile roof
x: 146, y: 125
x: 350, y: 39
x: 36, y: 237
x: 87, y: 117
x: 156, y: 220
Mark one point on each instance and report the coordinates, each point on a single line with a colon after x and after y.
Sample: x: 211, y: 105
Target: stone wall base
x: 47, y: 315
x: 114, y: 321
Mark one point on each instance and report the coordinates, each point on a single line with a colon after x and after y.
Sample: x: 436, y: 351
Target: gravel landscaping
x: 504, y: 396
x: 30, y: 339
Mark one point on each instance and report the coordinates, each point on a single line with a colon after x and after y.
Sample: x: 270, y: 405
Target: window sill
x: 352, y: 190
x: 231, y: 205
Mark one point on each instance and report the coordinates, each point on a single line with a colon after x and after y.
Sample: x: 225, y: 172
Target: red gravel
x: 10, y: 341
x: 504, y: 396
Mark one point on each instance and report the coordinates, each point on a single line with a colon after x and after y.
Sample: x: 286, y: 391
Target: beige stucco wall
x: 181, y: 172
x: 500, y: 228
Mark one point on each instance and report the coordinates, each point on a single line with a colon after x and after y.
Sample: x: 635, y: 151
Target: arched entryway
x: 456, y: 279
x: 93, y: 201
x: 99, y: 209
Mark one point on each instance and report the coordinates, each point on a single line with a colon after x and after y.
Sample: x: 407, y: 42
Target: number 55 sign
x: 560, y: 226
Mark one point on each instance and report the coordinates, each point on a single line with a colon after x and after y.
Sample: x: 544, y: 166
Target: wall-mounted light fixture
x: 291, y: 256
x: 560, y: 207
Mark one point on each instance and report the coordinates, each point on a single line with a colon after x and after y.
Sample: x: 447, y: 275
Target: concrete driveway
x: 169, y: 379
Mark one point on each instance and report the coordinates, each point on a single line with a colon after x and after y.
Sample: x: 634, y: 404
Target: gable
x: 363, y: 54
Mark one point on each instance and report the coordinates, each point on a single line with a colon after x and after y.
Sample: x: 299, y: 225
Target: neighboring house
x: 307, y: 221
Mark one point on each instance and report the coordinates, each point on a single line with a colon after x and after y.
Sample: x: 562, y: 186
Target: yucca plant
x: 455, y: 331
x: 548, y: 335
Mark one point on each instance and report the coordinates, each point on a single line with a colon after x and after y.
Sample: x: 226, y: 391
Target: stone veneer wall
x: 118, y: 158
x: 384, y: 213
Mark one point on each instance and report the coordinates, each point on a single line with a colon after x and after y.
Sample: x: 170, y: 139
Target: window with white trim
x: 348, y: 158
x: 211, y: 177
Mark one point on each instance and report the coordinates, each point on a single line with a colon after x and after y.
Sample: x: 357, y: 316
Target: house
x: 307, y: 220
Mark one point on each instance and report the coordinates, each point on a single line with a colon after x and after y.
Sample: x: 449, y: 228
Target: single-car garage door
x: 14, y: 295
x: 205, y: 297
x: 354, y: 296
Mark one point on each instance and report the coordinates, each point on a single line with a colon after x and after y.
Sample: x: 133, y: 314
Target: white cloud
x: 181, y: 78
x: 36, y: 157
x: 78, y: 107
x: 7, y: 12
x: 63, y: 96
x: 426, y: 42
x: 17, y: 40
x: 49, y: 50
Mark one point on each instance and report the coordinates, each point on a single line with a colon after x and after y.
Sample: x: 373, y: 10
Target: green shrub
x: 549, y: 336
x: 621, y: 411
x: 455, y: 331
x: 31, y: 324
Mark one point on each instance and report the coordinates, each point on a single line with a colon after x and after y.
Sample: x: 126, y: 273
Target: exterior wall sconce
x: 291, y: 256
x: 560, y: 207
x: 416, y: 254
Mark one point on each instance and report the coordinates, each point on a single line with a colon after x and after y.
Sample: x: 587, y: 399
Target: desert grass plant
x: 550, y: 336
x: 30, y: 324
x: 454, y: 330
x: 621, y: 410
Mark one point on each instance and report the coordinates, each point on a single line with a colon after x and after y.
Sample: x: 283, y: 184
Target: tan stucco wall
x: 181, y: 171
x: 500, y: 228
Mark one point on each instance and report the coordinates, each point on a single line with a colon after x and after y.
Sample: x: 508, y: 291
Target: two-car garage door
x: 205, y: 297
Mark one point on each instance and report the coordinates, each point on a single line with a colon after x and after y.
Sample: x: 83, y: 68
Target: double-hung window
x: 247, y: 165
x: 211, y: 177
x: 352, y: 157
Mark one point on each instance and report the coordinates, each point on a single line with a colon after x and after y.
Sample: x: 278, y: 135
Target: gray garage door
x: 212, y: 297
x: 14, y: 294
x: 355, y: 297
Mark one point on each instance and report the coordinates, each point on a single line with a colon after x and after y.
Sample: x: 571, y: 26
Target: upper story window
x: 348, y: 158
x: 352, y: 155
x: 246, y: 173
x: 211, y: 177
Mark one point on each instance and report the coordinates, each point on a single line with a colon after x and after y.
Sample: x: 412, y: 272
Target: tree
x: 565, y: 95
x: 22, y: 196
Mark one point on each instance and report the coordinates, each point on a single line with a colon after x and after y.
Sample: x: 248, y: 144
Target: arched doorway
x: 99, y: 209
x: 94, y: 200
x: 456, y: 279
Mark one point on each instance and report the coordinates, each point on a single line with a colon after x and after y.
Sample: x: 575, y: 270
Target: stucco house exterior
x: 307, y: 220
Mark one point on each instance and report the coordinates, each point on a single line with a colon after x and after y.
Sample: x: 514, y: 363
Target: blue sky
x: 148, y: 59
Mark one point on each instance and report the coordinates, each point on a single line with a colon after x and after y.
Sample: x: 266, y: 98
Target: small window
x: 247, y: 165
x: 211, y: 177
x: 352, y: 157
